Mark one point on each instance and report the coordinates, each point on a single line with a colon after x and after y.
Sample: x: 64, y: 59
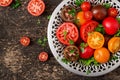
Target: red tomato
x: 86, y: 53
x: 67, y: 32
x: 5, y: 3
x: 25, y: 41
x: 113, y: 12
x: 110, y: 25
x: 88, y: 15
x: 85, y: 6
x: 36, y: 7
x: 43, y: 56
x: 86, y: 28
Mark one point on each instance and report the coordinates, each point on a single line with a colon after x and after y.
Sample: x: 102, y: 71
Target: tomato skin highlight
x: 36, y: 7
x: 25, y: 41
x: 110, y: 25
x: 85, y: 6
x: 89, y: 26
x: 5, y: 3
x: 87, y: 53
x: 66, y: 32
x: 43, y: 56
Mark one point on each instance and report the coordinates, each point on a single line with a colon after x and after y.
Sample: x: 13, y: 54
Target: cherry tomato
x: 67, y: 32
x: 110, y: 25
x: 36, y: 7
x: 86, y: 52
x: 113, y: 12
x: 85, y: 6
x: 71, y: 53
x: 95, y: 40
x: 25, y: 41
x: 88, y: 15
x: 114, y: 44
x: 43, y: 56
x: 81, y: 18
x: 89, y: 26
x: 102, y: 55
x: 5, y: 3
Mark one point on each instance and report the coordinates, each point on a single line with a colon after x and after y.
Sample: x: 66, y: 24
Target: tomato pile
x: 89, y: 31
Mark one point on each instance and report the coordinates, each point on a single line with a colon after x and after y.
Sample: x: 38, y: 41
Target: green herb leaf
x: 113, y: 58
x: 118, y: 19
x: 48, y: 17
x: 72, y: 51
x: 117, y: 34
x: 106, y: 5
x: 16, y: 4
x: 100, y: 29
x: 72, y: 12
x: 89, y: 61
x: 38, y: 22
x: 42, y: 42
x: 83, y: 44
x: 76, y: 21
x: 65, y: 34
x: 71, y: 42
x: 65, y: 60
x: 81, y: 49
x: 79, y: 2
x: 88, y: 72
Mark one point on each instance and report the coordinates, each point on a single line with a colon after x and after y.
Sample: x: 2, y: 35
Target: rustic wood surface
x: 21, y: 63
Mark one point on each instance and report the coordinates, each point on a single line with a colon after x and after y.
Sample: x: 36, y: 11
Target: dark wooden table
x: 21, y: 63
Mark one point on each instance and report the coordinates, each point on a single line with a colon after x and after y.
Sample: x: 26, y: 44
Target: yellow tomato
x: 102, y: 55
x: 114, y: 44
x: 95, y: 40
x: 80, y: 17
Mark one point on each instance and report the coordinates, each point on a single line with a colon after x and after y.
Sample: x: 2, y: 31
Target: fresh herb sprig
x: 42, y: 42
x: 100, y: 29
x: 107, y: 5
x: 117, y: 34
x: 89, y: 61
x: 15, y: 4
x: 79, y: 2
x: 72, y: 12
x: 48, y: 17
x: 65, y: 60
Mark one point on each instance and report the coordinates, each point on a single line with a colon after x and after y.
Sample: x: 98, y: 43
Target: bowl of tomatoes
x: 84, y: 36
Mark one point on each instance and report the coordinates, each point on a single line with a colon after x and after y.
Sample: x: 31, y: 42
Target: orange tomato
x: 114, y: 44
x: 80, y: 17
x: 102, y: 55
x: 95, y: 40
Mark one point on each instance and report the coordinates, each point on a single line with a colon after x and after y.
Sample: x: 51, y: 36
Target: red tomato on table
x: 43, y: 56
x: 86, y: 28
x: 36, y: 7
x: 25, y: 41
x: 5, y: 3
x: 67, y: 32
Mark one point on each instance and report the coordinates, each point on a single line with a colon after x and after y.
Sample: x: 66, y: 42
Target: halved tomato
x: 114, y: 44
x: 36, y: 7
x: 95, y: 40
x: 5, y: 3
x: 25, y: 41
x: 67, y: 32
x: 43, y: 56
x: 89, y: 26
